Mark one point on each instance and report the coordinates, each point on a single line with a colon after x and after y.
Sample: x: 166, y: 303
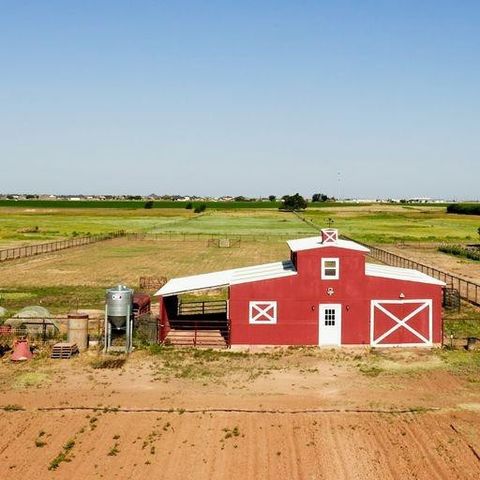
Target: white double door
x: 330, y: 324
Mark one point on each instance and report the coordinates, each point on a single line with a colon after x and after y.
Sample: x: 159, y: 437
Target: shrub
x: 460, y: 251
x: 200, y: 208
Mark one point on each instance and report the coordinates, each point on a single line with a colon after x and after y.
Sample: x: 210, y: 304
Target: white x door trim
x: 382, y: 305
x: 262, y: 312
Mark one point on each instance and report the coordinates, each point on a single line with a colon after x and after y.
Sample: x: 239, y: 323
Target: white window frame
x: 337, y: 269
x: 264, y: 308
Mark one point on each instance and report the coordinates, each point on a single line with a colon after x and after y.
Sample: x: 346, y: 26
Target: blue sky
x: 351, y: 98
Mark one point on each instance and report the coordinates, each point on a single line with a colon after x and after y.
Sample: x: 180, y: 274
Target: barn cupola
x: 329, y: 235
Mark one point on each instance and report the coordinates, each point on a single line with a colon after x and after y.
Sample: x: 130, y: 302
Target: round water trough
x: 78, y: 330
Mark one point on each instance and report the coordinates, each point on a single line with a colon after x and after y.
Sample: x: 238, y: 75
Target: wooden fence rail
x: 41, y: 248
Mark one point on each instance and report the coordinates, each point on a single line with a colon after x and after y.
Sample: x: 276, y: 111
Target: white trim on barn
x: 401, y: 322
x: 324, y: 268
x: 262, y: 312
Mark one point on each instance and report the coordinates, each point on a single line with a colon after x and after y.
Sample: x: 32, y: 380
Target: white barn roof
x: 396, y: 273
x: 228, y: 277
x: 311, y: 243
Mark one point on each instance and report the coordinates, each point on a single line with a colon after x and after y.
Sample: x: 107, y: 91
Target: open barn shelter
x: 325, y: 294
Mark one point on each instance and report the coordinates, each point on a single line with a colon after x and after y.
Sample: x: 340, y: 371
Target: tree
x: 148, y: 204
x: 320, y: 197
x: 272, y: 198
x: 293, y: 202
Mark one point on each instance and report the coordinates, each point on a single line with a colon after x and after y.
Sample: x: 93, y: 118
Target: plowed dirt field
x: 282, y: 414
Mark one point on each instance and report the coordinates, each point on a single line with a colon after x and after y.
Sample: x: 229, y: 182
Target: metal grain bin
x: 119, y: 305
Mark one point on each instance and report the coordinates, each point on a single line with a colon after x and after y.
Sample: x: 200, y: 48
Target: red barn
x: 326, y: 294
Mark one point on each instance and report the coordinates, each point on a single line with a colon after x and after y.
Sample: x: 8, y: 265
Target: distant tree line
x: 464, y: 208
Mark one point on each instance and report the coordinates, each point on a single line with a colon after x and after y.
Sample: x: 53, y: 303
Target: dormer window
x: 330, y: 269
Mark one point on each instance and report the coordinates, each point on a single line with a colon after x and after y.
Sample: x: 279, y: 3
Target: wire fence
x: 42, y: 248
x: 234, y: 240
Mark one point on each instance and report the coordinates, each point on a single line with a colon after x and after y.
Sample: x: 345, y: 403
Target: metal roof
x: 228, y: 277
x: 385, y: 271
x: 310, y: 243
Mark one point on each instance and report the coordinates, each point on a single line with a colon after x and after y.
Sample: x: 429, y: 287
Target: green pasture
x: 18, y: 226
x: 384, y: 224
x: 371, y: 224
x: 253, y: 223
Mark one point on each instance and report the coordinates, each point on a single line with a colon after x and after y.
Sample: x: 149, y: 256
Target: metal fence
x: 235, y: 240
x: 202, y: 308
x: 468, y: 290
x: 35, y: 329
x: 40, y: 248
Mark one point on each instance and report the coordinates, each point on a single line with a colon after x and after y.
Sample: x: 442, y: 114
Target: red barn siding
x: 298, y: 299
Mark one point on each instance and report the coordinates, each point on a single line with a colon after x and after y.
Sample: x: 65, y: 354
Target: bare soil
x: 293, y: 414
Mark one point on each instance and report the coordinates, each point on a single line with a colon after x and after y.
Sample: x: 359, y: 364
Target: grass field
x: 371, y: 224
x: 78, y: 276
x: 392, y: 224
x: 64, y: 279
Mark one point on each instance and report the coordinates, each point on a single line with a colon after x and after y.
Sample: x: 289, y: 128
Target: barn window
x: 330, y: 269
x: 262, y: 312
x: 329, y: 317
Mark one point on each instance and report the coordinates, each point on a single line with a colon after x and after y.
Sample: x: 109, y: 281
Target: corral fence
x: 202, y: 308
x: 212, y: 238
x: 41, y: 248
x: 38, y: 329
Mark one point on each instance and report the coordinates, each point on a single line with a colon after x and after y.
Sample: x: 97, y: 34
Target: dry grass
x: 123, y: 260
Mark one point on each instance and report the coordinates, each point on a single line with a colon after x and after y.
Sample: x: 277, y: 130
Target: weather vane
x: 330, y: 222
